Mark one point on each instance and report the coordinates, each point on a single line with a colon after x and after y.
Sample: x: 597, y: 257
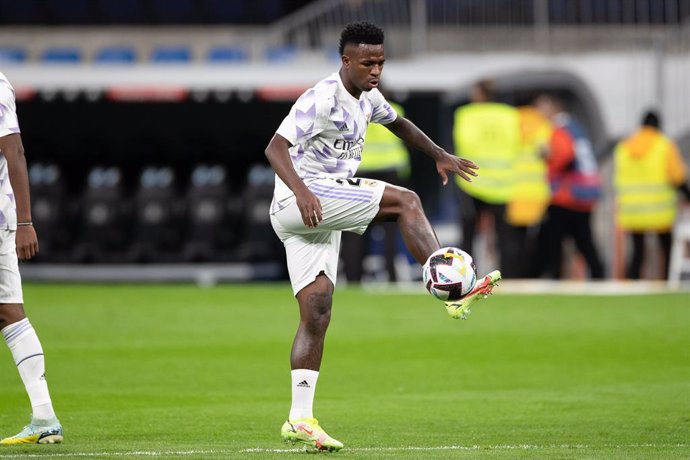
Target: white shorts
x: 348, y: 205
x: 10, y: 280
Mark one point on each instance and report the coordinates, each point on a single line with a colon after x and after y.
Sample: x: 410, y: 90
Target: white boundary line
x: 476, y: 447
x: 260, y: 450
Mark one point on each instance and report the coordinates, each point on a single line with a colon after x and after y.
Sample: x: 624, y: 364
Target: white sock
x: 28, y: 356
x: 303, y: 388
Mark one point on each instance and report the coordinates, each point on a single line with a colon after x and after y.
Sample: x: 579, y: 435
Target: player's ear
x: 345, y: 59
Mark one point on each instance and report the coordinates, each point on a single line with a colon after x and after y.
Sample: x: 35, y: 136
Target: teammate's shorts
x: 348, y: 205
x: 10, y: 280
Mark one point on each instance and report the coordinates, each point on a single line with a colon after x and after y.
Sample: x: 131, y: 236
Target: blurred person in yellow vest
x: 648, y: 171
x: 488, y: 133
x: 385, y: 158
x: 531, y: 190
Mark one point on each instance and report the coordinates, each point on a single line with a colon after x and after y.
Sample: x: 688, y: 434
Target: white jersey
x: 326, y: 128
x: 8, y: 125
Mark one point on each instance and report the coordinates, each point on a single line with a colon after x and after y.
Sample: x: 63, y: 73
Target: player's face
x: 363, y: 65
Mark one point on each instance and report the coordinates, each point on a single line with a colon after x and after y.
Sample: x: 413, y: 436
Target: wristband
x: 24, y: 224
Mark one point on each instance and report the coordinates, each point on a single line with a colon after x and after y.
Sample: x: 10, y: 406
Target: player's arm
x: 13, y: 150
x: 445, y: 162
x: 278, y: 155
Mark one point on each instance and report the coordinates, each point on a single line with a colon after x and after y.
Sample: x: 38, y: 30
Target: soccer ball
x: 449, y: 274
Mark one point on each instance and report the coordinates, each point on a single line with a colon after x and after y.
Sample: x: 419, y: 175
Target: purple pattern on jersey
x: 11, y: 197
x: 305, y: 115
x: 330, y: 125
x: 383, y: 114
x: 355, y: 134
x: 326, y: 153
x: 339, y: 167
x: 300, y: 152
x: 3, y: 219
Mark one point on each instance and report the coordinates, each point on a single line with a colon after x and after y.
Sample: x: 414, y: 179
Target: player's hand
x: 27, y: 242
x: 310, y: 207
x: 453, y: 164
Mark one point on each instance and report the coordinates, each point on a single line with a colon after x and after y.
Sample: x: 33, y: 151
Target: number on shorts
x: 353, y: 182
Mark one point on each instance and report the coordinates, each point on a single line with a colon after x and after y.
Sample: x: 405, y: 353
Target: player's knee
x: 410, y: 201
x: 319, y: 310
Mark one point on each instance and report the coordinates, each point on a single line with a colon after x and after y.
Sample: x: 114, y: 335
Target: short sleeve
x: 381, y: 110
x: 8, y: 117
x: 304, y: 120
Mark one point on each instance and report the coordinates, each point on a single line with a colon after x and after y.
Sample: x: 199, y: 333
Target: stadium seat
x: 61, y: 55
x: 259, y: 241
x: 171, y: 54
x: 212, y: 216
x: 156, y: 229
x: 227, y: 54
x: 115, y: 55
x: 12, y: 54
x: 280, y: 53
x: 51, y: 214
x: 104, y: 218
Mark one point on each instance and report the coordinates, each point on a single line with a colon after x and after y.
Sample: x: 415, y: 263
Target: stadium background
x: 145, y: 121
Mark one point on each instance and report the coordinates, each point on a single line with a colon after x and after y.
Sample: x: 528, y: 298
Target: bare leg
x: 10, y: 313
x: 404, y: 206
x: 315, y: 303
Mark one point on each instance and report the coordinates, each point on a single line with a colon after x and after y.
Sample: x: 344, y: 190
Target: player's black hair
x: 651, y: 118
x: 360, y: 33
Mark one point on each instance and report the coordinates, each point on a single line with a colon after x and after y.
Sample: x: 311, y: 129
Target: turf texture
x: 178, y: 371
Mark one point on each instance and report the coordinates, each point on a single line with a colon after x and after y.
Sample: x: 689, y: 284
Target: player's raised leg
x: 27, y: 353
x: 315, y: 302
x: 405, y: 207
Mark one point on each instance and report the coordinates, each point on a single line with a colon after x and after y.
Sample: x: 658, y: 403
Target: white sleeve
x: 304, y: 120
x: 8, y: 116
x: 381, y: 110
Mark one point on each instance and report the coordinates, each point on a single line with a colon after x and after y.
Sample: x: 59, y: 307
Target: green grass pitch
x: 183, y: 372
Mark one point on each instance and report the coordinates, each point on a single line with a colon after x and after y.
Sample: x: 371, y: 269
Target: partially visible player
x: 315, y: 154
x: 18, y: 241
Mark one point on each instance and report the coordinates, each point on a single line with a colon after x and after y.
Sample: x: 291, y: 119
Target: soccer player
x: 18, y: 241
x: 315, y: 153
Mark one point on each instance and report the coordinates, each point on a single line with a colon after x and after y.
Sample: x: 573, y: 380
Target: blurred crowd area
x: 145, y: 123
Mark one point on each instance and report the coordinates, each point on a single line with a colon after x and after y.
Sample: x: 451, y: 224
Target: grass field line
x: 475, y: 448
x: 259, y: 450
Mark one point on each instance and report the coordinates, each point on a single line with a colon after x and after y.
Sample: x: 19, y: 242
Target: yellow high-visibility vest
x: 531, y: 192
x: 645, y: 197
x: 488, y: 134
x: 383, y: 150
